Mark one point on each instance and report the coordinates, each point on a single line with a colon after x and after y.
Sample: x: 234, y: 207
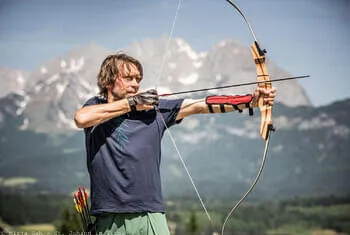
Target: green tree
x: 70, y: 222
x: 192, y: 225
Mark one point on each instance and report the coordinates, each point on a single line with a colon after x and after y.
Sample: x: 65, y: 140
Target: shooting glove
x: 149, y: 97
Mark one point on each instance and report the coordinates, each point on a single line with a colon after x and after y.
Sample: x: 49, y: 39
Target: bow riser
x: 262, y: 75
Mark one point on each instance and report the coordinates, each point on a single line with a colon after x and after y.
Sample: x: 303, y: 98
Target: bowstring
x: 186, y: 169
x: 170, y: 37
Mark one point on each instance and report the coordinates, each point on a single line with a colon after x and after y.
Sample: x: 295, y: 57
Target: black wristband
x: 132, y: 103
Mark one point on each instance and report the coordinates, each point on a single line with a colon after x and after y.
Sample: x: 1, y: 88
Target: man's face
x: 126, y: 83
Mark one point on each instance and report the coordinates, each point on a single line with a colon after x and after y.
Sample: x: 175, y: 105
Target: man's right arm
x: 95, y: 114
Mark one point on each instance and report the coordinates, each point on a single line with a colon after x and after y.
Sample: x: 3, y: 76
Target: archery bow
x: 265, y: 110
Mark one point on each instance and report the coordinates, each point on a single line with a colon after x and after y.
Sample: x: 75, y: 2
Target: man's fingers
x: 151, y: 99
x: 153, y: 91
x: 266, y: 91
x: 267, y: 94
x: 147, y: 106
x: 141, y: 107
x: 268, y: 101
x: 144, y: 100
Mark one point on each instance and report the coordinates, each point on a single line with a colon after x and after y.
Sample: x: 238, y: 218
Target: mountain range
x: 41, y: 150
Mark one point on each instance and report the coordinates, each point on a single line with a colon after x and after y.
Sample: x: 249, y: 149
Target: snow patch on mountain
x: 65, y: 122
x: 241, y: 132
x: 172, y: 65
x: 12, y: 80
x: 189, y: 79
x: 202, y: 54
x: 61, y: 87
x: 191, y: 123
x: 277, y: 148
x: 20, y: 79
x: 218, y: 77
x: 52, y: 79
x: 197, y: 64
x: 43, y: 69
x: 24, y: 125
x: 285, y: 123
x: 21, y: 105
x: 222, y: 43
x: 161, y: 89
x: 63, y: 63
x: 185, y: 47
x: 75, y: 65
x: 198, y: 137
x: 341, y: 131
x: 321, y: 121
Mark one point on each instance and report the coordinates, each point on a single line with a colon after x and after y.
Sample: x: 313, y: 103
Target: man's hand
x: 267, y: 95
x: 144, y: 100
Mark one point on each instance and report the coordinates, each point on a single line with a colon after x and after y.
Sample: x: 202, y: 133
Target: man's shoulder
x: 95, y: 100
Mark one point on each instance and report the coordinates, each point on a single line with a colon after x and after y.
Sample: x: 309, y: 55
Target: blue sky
x: 301, y: 36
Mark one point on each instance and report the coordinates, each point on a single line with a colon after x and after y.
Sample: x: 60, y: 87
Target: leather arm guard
x: 234, y: 101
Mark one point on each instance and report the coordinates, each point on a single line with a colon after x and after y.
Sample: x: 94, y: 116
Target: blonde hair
x: 110, y: 68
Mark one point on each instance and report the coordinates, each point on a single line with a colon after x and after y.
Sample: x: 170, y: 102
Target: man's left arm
x: 221, y: 104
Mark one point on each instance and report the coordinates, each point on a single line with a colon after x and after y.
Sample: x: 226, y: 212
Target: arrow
x: 234, y: 85
x: 79, y: 209
x: 82, y: 207
x: 86, y: 204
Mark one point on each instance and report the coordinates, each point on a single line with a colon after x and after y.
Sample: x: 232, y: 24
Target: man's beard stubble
x: 117, y: 96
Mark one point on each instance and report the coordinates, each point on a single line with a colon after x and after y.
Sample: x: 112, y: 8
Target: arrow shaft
x: 234, y: 85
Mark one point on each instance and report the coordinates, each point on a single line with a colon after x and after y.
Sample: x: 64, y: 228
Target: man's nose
x: 134, y: 82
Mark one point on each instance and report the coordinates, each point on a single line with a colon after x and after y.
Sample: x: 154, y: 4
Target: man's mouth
x: 131, y: 94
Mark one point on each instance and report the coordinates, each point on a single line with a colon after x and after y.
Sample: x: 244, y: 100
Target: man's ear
x: 109, y: 86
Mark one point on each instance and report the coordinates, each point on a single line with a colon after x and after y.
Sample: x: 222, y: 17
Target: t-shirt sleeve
x: 92, y: 101
x: 169, y: 110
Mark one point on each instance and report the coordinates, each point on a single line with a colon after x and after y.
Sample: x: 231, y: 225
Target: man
x: 123, y: 129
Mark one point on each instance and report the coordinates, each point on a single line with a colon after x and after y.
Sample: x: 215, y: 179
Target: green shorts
x: 132, y: 224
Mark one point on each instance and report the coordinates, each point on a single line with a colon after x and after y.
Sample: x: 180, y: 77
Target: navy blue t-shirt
x: 123, y: 159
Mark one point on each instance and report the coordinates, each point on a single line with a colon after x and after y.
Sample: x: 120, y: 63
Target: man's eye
x: 137, y: 79
x: 129, y: 79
